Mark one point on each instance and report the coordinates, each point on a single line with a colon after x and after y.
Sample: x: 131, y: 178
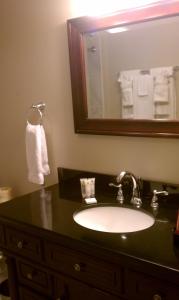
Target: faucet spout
x: 121, y: 176
x: 135, y: 199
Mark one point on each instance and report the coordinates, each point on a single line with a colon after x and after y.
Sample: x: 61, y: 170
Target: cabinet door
x: 146, y: 287
x: 26, y: 294
x: 70, y: 289
x: 34, y: 276
x: 100, y: 295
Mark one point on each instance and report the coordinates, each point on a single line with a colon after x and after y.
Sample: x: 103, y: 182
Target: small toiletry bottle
x: 83, y: 187
x: 88, y: 188
x: 92, y: 187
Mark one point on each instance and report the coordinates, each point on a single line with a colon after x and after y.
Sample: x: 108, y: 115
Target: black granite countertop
x: 55, y: 215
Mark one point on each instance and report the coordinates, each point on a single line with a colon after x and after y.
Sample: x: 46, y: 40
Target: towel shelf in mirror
x: 82, y: 33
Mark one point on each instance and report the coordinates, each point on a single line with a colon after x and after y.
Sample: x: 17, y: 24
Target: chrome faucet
x: 120, y: 197
x: 136, y: 200
x: 154, y: 202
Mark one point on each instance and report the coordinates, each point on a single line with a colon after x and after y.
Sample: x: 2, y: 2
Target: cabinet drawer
x: 82, y: 267
x: 23, y: 243
x: 34, y: 277
x: 25, y: 294
x: 149, y: 288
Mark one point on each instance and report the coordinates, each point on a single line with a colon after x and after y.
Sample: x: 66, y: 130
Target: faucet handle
x: 154, y: 202
x: 113, y: 184
x: 120, y: 197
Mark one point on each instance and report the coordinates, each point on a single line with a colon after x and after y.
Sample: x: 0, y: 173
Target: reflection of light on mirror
x: 123, y: 237
x: 117, y: 29
x: 100, y: 7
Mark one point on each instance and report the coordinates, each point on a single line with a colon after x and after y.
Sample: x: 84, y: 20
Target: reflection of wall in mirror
x: 144, y: 46
x: 94, y: 82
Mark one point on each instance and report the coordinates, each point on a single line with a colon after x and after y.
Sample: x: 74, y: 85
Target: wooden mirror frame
x: 76, y: 29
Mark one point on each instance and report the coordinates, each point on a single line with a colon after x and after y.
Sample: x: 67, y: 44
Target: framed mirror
x: 125, y: 72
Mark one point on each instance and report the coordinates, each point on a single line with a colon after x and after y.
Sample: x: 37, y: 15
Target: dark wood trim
x: 76, y: 28
x: 12, y: 277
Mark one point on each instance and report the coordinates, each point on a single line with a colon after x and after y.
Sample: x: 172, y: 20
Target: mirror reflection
x: 132, y: 72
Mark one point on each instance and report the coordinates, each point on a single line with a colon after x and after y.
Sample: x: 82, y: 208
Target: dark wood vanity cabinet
x: 43, y: 269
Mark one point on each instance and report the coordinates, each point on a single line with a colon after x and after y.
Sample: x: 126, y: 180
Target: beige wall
x: 34, y: 66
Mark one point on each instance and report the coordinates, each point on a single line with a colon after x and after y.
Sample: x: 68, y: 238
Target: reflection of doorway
x: 93, y: 65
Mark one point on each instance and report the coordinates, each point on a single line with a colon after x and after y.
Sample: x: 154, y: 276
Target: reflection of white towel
x: 46, y: 208
x: 161, y: 83
x: 127, y: 97
x: 127, y: 112
x: 164, y: 92
x: 161, y: 89
x: 143, y: 85
x: 36, y: 153
x: 172, y: 97
x: 126, y: 90
x: 162, y: 109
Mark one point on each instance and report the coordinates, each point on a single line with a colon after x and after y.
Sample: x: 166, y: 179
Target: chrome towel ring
x: 39, y: 107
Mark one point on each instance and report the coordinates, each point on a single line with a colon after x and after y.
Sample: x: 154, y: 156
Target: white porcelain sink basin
x: 113, y: 218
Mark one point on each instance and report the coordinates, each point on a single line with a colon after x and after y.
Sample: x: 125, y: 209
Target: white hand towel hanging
x: 126, y: 89
x: 36, y: 153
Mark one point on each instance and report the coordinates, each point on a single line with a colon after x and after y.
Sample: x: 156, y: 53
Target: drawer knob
x: 20, y: 245
x: 157, y: 297
x: 29, y: 276
x: 77, y: 267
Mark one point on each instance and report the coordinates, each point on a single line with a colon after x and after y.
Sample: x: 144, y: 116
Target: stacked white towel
x: 161, y: 83
x: 36, y: 153
x: 164, y: 96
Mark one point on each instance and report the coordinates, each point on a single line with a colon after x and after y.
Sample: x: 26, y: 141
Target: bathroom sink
x: 113, y: 218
